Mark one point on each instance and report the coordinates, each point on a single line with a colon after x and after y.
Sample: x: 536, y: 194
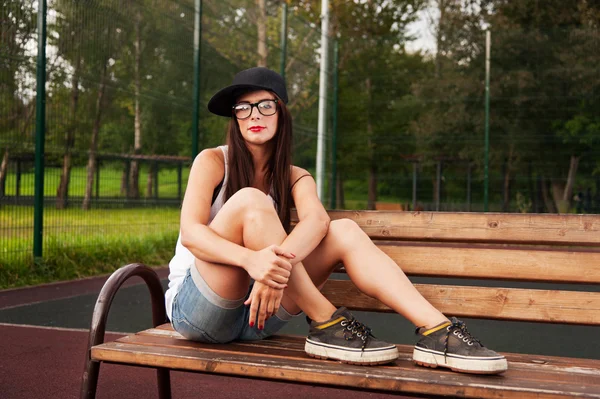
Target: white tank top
x: 184, y: 259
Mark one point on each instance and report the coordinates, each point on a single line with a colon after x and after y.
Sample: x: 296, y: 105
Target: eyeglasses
x: 265, y: 107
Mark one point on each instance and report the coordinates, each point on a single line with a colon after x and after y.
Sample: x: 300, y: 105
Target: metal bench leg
x: 91, y: 369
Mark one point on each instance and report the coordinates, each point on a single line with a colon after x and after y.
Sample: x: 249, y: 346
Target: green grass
x: 110, y: 182
x: 83, y: 243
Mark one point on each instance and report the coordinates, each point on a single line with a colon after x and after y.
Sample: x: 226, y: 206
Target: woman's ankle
x: 322, y: 314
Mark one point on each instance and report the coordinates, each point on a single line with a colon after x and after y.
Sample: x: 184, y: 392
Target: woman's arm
x: 312, y: 227
x: 205, y: 244
x: 206, y: 173
x: 313, y: 218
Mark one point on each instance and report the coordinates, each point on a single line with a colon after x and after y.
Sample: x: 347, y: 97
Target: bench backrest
x: 558, y: 249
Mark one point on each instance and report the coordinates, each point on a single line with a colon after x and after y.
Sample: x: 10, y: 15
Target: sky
x: 422, y: 29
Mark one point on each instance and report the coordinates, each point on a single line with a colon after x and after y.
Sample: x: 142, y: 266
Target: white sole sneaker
x: 368, y: 357
x: 465, y: 364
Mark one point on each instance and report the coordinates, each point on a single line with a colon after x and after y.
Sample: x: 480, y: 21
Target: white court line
x: 86, y: 330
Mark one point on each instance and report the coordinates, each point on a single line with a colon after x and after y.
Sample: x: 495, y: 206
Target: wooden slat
x: 523, y: 381
x: 573, y: 230
x: 295, y: 344
x: 490, y: 303
x: 509, y: 263
x: 262, y: 348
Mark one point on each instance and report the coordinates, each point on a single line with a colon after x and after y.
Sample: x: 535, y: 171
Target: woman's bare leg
x: 371, y: 270
x: 248, y: 218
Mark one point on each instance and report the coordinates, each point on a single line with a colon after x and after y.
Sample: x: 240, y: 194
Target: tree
x: 18, y: 22
x: 533, y: 85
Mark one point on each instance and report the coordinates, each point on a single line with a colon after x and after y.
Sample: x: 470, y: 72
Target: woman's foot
x: 343, y: 338
x: 451, y: 345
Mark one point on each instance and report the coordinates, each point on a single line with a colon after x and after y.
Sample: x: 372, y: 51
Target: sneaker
x: 343, y: 338
x: 450, y: 345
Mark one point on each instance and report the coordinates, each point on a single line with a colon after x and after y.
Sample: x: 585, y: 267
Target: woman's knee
x: 251, y: 198
x: 254, y: 204
x: 346, y: 231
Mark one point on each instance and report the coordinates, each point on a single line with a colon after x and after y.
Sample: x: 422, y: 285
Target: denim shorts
x: 199, y: 314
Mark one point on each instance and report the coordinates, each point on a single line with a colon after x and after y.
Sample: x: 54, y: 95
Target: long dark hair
x: 277, y: 176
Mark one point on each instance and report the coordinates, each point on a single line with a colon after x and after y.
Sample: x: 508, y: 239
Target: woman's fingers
x: 277, y: 286
x: 263, y: 309
x: 277, y: 304
x: 254, y: 306
x: 281, y: 272
x: 270, y: 307
x: 264, y: 303
x: 279, y: 251
x: 283, y: 264
x: 278, y: 278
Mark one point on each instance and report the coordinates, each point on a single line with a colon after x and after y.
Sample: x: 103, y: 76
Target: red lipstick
x: 255, y: 129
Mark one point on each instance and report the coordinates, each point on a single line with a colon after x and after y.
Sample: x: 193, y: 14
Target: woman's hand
x: 267, y: 267
x: 264, y: 302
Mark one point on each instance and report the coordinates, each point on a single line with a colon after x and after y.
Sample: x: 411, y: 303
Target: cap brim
x: 223, y: 101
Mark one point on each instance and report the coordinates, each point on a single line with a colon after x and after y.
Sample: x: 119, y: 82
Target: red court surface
x: 47, y: 363
x: 43, y: 362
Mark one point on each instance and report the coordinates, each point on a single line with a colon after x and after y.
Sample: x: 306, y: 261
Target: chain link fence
x: 119, y: 126
x: 409, y: 127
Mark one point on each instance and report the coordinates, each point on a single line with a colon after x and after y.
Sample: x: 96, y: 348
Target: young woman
x: 239, y: 273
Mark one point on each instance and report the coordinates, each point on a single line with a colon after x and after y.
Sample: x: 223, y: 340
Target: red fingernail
x: 260, y: 327
x: 251, y: 324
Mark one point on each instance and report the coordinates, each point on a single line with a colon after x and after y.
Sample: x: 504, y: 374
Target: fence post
x: 197, y: 53
x: 322, y: 116
x: 438, y: 186
x: 40, y: 130
x: 284, y: 12
x: 486, y: 177
x: 414, y: 184
x: 333, y: 204
x: 155, y: 166
x: 127, y: 170
x: 179, y: 180
x: 97, y: 181
x: 18, y: 181
x: 469, y: 187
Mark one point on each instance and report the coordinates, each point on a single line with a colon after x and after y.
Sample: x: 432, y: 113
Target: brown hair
x: 241, y: 167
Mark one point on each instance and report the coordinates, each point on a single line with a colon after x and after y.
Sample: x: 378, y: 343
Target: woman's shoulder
x: 211, y: 155
x: 298, y: 172
x: 210, y: 161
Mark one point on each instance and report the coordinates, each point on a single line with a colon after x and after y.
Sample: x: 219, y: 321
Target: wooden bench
x: 555, y: 249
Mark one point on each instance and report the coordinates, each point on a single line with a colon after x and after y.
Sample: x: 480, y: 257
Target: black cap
x: 258, y: 78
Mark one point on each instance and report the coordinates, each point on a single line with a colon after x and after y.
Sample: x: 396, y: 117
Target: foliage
x: 395, y: 107
x: 88, y: 245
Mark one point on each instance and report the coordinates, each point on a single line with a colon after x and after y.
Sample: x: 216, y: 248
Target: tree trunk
x: 134, y: 191
x: 533, y: 192
x: 574, y: 164
x: 3, y: 172
x: 150, y: 181
x: 62, y: 192
x: 261, y: 24
x: 372, y: 195
x: 91, y: 164
x: 372, y: 199
x: 125, y: 181
x: 438, y: 37
x: 546, y: 196
x: 562, y: 193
